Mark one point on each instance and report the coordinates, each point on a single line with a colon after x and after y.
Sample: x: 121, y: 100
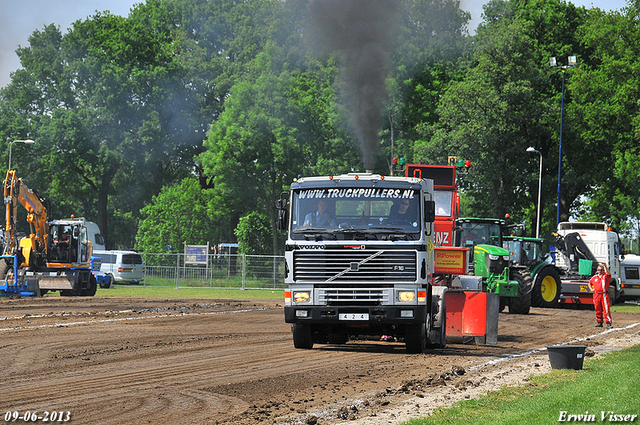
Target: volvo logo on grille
x: 355, y: 266
x: 311, y: 246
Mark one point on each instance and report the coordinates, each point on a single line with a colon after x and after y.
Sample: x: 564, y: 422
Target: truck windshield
x: 347, y: 210
x: 443, y: 202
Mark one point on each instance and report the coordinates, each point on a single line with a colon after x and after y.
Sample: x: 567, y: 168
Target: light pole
x: 531, y: 149
x: 571, y: 62
x: 28, y: 142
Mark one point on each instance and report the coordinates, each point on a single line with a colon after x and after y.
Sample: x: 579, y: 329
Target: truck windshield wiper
x: 388, y: 228
x: 394, y: 233
x: 353, y: 231
x: 310, y: 230
x: 313, y: 232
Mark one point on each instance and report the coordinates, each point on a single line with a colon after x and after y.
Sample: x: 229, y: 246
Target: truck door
x: 84, y: 246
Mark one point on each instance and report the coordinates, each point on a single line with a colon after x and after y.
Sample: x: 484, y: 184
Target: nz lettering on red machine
x: 442, y: 237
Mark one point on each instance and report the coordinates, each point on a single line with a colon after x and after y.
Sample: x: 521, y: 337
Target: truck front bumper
x: 355, y: 315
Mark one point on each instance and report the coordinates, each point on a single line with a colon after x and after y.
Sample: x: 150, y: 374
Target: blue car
x: 103, y: 279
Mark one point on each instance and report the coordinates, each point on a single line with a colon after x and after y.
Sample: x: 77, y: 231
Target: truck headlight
x: 406, y: 296
x: 301, y: 297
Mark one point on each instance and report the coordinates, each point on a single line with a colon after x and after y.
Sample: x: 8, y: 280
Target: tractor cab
x: 523, y: 251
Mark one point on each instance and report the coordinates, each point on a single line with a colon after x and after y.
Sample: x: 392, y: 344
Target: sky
x: 20, y: 18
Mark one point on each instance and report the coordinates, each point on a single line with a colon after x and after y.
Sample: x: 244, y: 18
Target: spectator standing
x: 599, y: 285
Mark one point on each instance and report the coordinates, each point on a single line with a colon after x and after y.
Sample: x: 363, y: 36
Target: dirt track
x: 150, y: 361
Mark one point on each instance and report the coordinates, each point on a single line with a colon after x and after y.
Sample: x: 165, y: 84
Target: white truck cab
x: 602, y: 244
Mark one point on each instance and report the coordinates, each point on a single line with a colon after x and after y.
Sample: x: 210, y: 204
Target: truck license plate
x: 353, y: 316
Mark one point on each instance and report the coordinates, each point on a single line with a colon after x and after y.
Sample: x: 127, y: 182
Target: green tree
x: 490, y: 118
x: 504, y: 102
x: 607, y: 106
x: 120, y: 106
x: 94, y: 101
x: 252, y: 148
x: 432, y: 43
x: 179, y: 214
x: 254, y: 234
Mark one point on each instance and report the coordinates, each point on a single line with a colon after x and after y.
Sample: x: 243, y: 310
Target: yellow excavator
x: 55, y: 256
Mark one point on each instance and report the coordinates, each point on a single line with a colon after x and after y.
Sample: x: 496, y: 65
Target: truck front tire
x: 415, y: 337
x: 302, y: 336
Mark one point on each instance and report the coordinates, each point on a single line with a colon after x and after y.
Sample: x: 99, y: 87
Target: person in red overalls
x: 599, y: 285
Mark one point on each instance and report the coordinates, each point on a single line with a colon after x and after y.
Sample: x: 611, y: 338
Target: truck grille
x: 362, y: 296
x: 361, y: 266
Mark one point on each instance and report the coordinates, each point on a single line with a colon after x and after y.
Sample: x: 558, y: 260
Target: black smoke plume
x: 363, y: 33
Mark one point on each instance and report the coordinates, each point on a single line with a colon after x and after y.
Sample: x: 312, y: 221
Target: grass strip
x: 178, y: 293
x: 606, y: 385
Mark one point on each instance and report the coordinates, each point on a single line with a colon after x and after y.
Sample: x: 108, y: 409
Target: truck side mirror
x: 457, y: 236
x: 430, y: 211
x: 281, y: 206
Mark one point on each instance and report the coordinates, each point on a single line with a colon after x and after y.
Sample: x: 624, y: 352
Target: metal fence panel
x: 221, y: 271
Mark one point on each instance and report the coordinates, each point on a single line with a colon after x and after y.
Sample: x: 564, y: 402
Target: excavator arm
x: 16, y: 192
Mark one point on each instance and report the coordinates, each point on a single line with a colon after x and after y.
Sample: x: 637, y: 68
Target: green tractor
x: 492, y: 262
x: 526, y: 254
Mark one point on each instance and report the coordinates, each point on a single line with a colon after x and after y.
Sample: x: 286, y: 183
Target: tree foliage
x: 178, y: 215
x: 221, y: 104
x: 607, y: 105
x: 254, y: 234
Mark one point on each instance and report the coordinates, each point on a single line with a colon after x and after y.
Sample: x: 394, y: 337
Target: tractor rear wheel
x: 522, y: 303
x: 546, y: 291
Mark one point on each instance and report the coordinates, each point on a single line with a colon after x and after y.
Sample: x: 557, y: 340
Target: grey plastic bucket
x: 566, y: 356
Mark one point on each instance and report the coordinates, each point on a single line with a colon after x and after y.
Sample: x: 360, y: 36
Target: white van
x: 123, y: 266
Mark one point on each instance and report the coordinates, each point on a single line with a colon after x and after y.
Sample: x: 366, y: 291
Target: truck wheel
x: 302, y: 336
x: 440, y: 333
x: 614, y: 291
x: 4, y: 268
x: 91, y: 288
x: 415, y: 337
x: 522, y: 303
x: 547, y: 289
